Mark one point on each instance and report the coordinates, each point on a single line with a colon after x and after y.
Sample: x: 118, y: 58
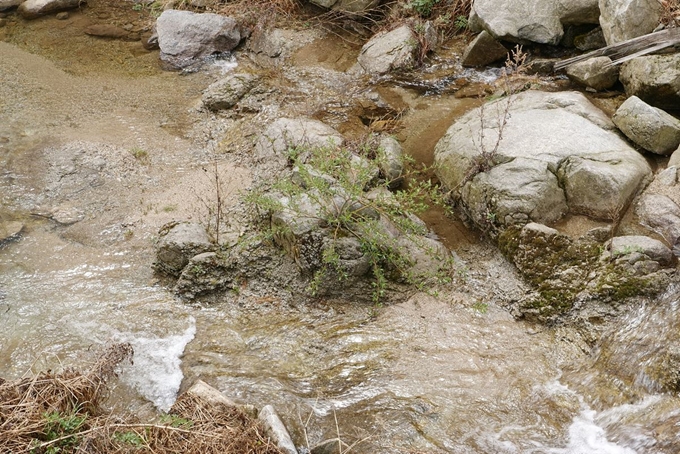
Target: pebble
x: 10, y: 231
x: 62, y: 16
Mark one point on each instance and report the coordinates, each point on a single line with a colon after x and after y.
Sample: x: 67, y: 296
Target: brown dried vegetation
x: 60, y: 413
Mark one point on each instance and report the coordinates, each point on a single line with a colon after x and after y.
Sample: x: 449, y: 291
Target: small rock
x: 106, y: 31
x: 276, y: 430
x: 389, y: 51
x: 591, y: 40
x: 541, y: 66
x: 597, y: 73
x: 629, y: 245
x: 10, y: 231
x: 660, y: 214
x: 3, y: 22
x: 66, y: 215
x: 62, y: 15
x: 650, y: 127
x: 209, y: 394
x: 483, y: 50
x: 674, y: 161
x: 225, y: 93
x: 30, y: 9
x: 150, y: 41
x: 392, y: 164
x: 204, y: 273
x: 177, y: 244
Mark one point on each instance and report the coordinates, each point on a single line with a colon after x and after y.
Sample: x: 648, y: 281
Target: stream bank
x: 124, y: 153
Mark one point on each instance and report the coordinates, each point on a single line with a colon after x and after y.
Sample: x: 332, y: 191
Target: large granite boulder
x: 185, y: 38
x: 653, y: 78
x: 539, y: 21
x: 651, y: 128
x: 622, y: 20
x: 389, y: 51
x: 30, y: 9
x: 537, y: 158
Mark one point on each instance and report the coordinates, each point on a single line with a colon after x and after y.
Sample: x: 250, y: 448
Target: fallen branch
x: 632, y: 48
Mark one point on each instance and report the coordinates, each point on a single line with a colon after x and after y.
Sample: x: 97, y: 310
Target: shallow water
x: 453, y: 373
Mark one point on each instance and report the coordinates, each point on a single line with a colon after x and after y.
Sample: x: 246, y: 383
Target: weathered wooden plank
x: 636, y: 47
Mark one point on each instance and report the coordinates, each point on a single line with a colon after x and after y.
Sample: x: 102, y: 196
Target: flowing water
x: 453, y: 373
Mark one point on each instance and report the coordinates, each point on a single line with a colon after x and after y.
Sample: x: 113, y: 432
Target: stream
x: 99, y: 152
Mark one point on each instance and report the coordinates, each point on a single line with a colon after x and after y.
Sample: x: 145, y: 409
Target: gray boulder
x: 483, y: 50
x: 661, y: 215
x: 389, y: 51
x: 30, y: 9
x: 602, y: 184
x: 7, y: 4
x: 557, y: 153
x: 622, y: 20
x: 539, y: 21
x: 185, y: 38
x: 286, y: 133
x: 597, y: 73
x: 225, y: 93
x: 651, y: 128
x: 276, y: 430
x: 653, y: 78
x: 177, y: 244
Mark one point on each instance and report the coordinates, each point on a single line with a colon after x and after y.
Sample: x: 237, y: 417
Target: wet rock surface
x: 255, y: 336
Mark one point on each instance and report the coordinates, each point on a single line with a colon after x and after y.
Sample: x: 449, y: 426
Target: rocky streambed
x: 564, y: 222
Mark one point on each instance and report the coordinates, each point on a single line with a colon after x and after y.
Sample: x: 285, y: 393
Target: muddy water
x: 452, y: 373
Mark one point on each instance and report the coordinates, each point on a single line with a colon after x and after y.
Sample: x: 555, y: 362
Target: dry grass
x: 60, y: 413
x: 671, y: 13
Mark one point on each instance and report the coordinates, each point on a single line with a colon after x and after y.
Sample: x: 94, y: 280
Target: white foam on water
x: 586, y: 437
x: 225, y: 65
x: 156, y: 372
